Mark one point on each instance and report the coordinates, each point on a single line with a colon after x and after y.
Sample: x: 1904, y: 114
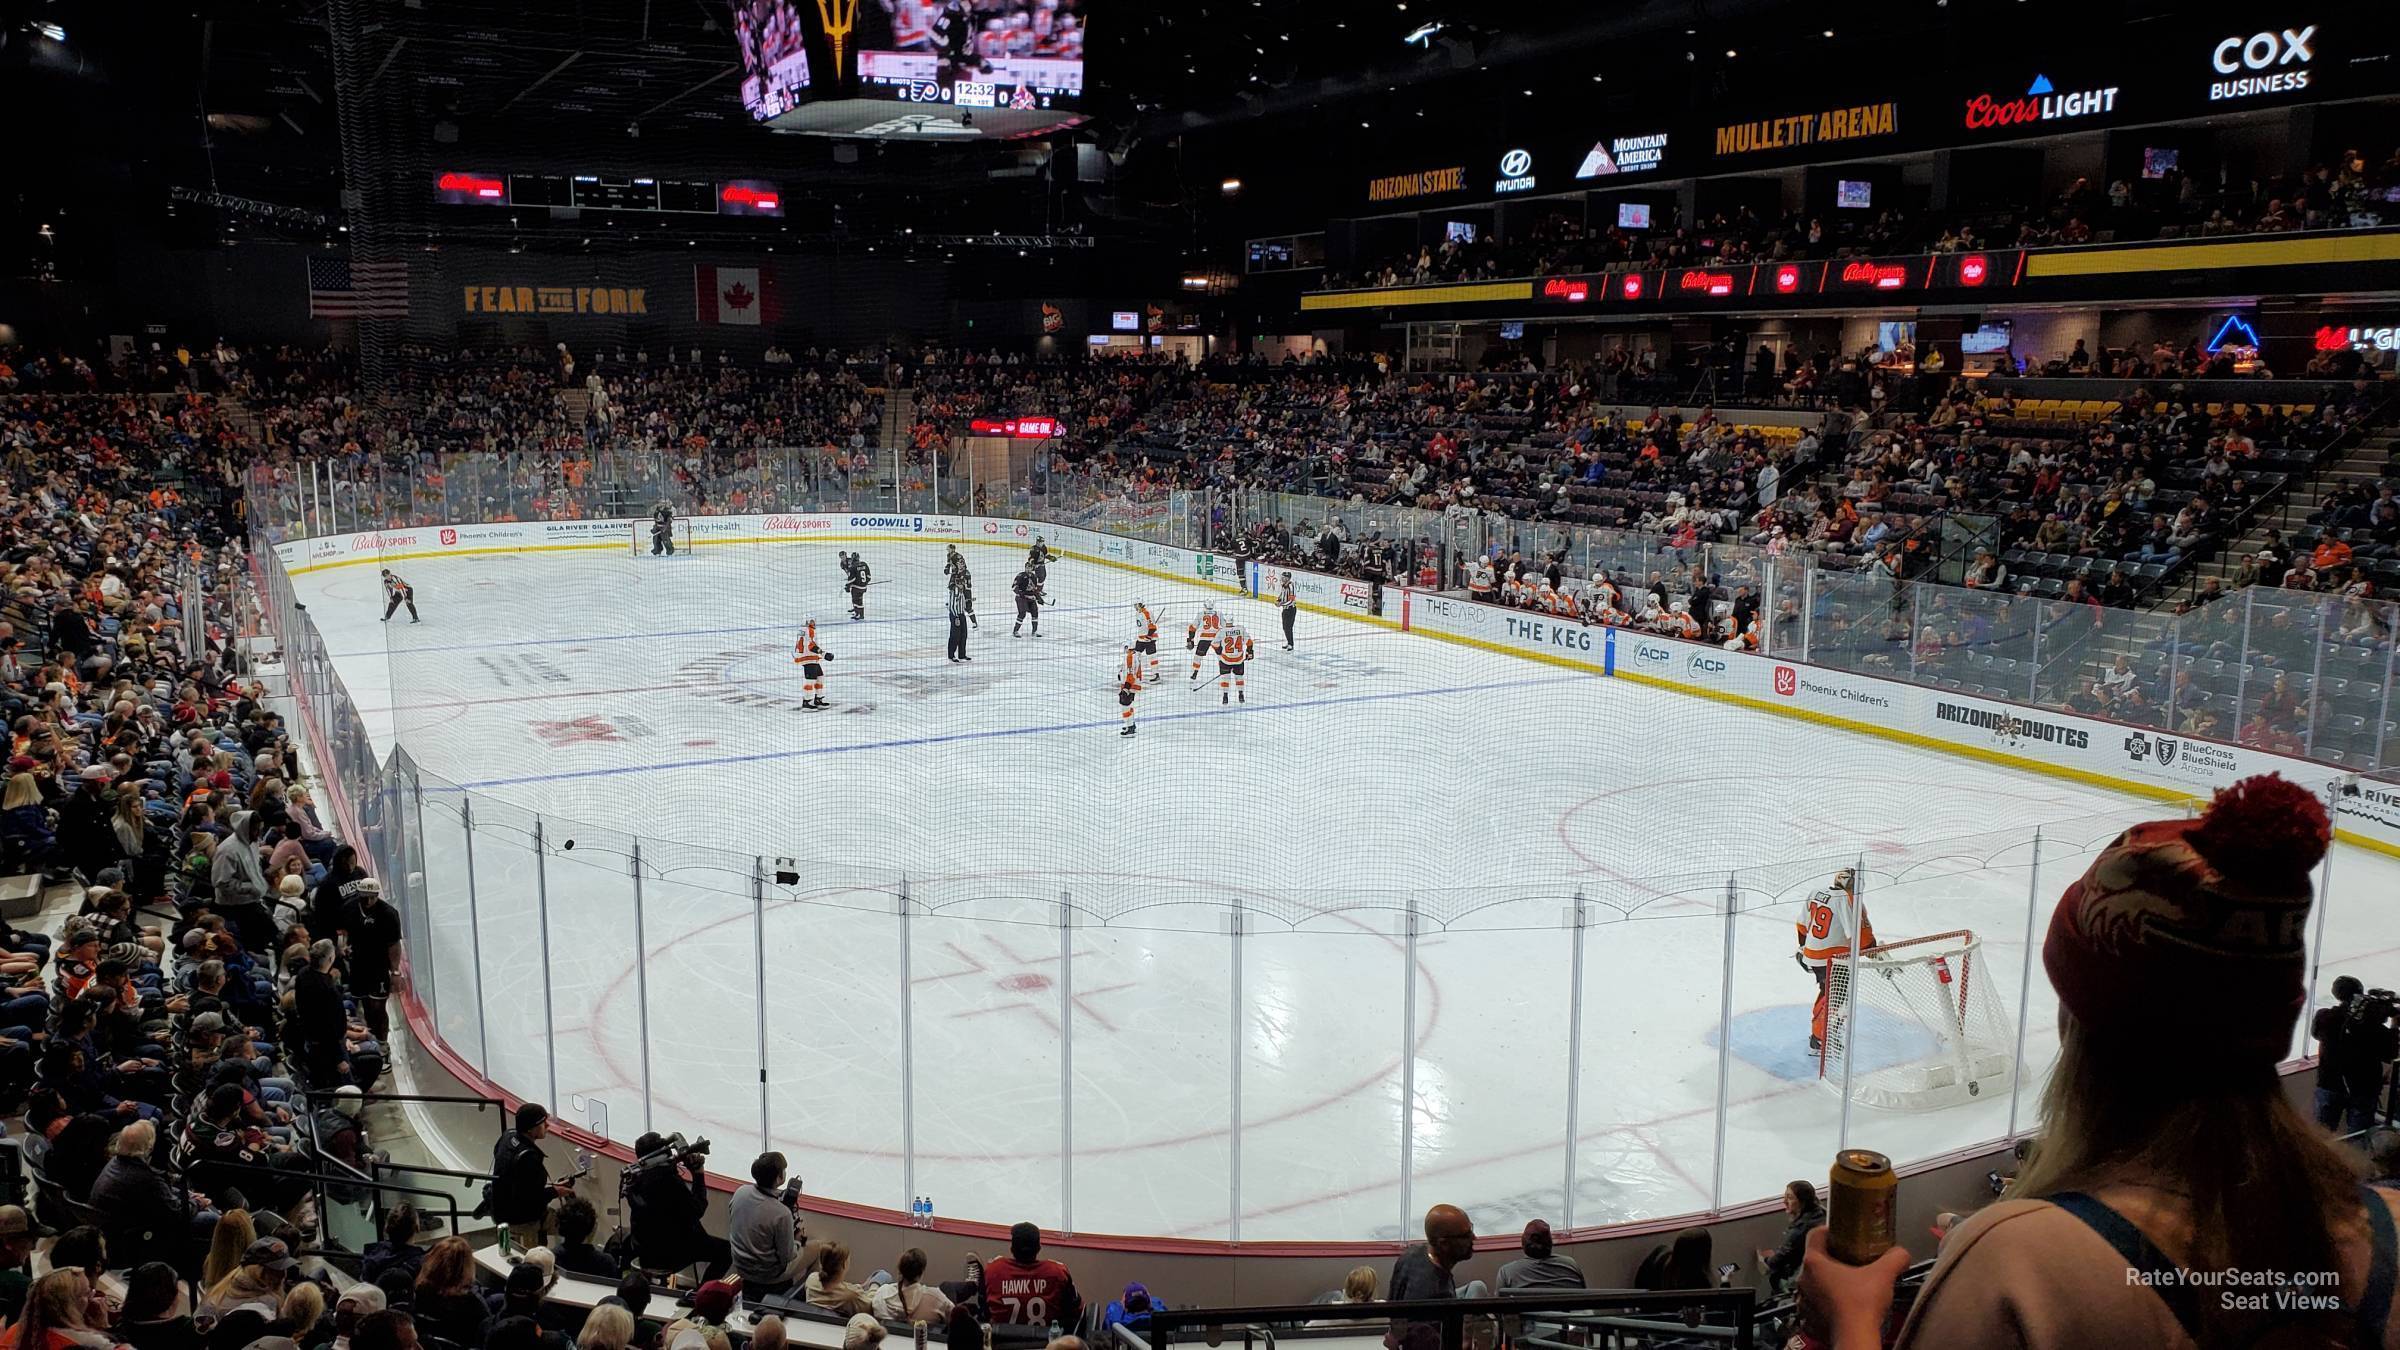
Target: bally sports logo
x: 369, y: 543
x: 796, y: 524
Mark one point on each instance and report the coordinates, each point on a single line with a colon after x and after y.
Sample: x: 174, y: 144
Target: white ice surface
x: 613, y: 697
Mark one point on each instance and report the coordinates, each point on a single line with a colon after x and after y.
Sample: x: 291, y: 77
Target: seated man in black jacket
x: 669, y: 1198
x: 141, y: 1211
x: 577, y: 1221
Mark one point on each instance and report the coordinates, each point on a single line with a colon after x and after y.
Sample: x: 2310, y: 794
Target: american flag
x: 341, y: 289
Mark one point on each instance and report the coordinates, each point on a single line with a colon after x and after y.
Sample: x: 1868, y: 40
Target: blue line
x: 829, y: 625
x: 957, y: 736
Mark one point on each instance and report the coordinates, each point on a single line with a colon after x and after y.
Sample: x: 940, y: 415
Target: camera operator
x: 763, y: 1228
x: 2355, y: 1040
x: 667, y: 1193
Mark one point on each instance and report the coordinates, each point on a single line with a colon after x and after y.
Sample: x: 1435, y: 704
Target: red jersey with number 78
x: 1024, y: 1293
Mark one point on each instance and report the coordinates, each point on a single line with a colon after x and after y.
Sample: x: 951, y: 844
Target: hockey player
x: 1200, y: 635
x: 1679, y: 621
x: 1129, y: 685
x: 811, y: 658
x: 1287, y: 604
x: 1233, y: 661
x: 1833, y: 920
x: 1480, y: 580
x: 1038, y: 558
x: 1145, y: 639
x: 954, y: 571
x: 1028, y: 589
x: 856, y: 577
x: 397, y: 593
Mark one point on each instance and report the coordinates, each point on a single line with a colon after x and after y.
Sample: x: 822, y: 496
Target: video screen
x: 1853, y: 193
x: 1125, y: 320
x: 1898, y: 338
x: 1512, y: 332
x: 1633, y: 215
x: 1020, y: 54
x: 2160, y: 160
x: 1459, y: 231
x: 774, y: 56
x: 1991, y: 339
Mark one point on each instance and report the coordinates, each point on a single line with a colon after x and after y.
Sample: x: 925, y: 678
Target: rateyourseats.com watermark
x: 2252, y: 1290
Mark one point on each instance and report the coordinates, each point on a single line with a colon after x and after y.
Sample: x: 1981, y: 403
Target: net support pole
x: 641, y: 983
x: 758, y: 966
x: 1408, y: 1065
x: 2316, y: 943
x: 2241, y: 677
x: 1575, y: 920
x: 1733, y: 908
x: 2308, y: 732
x: 1066, y: 1061
x: 908, y: 1052
x: 1233, y: 1208
x: 1849, y: 1009
x: 2033, y: 908
x: 483, y: 1043
x: 541, y: 918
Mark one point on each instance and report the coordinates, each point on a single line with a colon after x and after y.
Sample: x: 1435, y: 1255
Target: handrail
x: 1738, y: 1305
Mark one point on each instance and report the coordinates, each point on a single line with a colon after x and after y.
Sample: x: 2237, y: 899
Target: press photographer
x: 2355, y: 1041
x: 666, y: 1192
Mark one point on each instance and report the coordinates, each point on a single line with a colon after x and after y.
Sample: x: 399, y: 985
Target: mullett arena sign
x: 1817, y: 128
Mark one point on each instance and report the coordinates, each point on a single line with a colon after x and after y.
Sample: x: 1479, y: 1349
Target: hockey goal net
x: 680, y: 530
x: 1922, y: 1027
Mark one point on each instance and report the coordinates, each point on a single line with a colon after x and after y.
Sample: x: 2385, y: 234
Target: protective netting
x: 1921, y: 1027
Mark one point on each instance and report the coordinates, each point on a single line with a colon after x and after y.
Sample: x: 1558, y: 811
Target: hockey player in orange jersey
x: 1834, y: 918
x: 1233, y: 663
x: 1200, y: 635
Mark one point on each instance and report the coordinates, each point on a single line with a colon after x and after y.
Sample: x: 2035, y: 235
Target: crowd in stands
x: 193, y: 1032
x: 2350, y: 191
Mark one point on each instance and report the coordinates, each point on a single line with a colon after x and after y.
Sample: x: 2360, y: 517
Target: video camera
x: 2374, y: 1008
x: 671, y: 1151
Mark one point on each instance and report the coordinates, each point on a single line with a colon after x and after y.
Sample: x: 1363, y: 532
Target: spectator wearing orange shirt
x: 2330, y: 554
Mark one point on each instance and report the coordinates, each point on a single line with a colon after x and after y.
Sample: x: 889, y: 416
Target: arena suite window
x: 2355, y: 1039
x: 666, y: 1193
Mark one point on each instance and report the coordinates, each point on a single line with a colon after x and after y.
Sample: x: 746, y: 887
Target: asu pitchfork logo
x: 839, y: 17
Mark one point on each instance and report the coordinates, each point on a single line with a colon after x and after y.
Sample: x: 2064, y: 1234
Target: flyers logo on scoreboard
x: 1787, y: 681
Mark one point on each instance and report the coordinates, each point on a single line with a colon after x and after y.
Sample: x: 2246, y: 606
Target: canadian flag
x: 737, y: 295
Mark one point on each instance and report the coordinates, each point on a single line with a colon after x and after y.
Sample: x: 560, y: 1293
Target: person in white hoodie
x: 238, y: 878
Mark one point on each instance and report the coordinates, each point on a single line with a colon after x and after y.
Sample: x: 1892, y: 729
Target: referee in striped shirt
x: 1289, y: 604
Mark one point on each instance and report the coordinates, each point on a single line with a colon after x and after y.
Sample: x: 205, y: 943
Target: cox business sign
x: 2272, y: 62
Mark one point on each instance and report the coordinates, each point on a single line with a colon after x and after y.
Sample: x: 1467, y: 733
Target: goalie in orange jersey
x: 1835, y: 917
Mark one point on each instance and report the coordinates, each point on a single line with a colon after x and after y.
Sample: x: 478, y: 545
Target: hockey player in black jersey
x: 662, y: 530
x: 1028, y: 590
x: 1037, y: 561
x: 856, y: 577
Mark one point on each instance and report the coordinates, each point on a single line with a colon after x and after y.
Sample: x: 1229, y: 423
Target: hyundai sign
x: 1516, y: 172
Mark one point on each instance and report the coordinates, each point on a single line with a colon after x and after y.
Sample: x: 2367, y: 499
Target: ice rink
x: 1374, y: 781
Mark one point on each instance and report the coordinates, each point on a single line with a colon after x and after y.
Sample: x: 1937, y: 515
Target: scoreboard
x: 605, y: 192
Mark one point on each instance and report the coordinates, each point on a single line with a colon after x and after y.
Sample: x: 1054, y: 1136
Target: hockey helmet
x: 1209, y: 607
x: 1844, y: 879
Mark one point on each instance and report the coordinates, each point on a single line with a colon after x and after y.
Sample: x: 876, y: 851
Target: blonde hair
x: 23, y: 790
x: 233, y: 1236
x: 303, y: 1307
x: 609, y: 1327
x: 1359, y: 1285
x: 56, y: 1302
